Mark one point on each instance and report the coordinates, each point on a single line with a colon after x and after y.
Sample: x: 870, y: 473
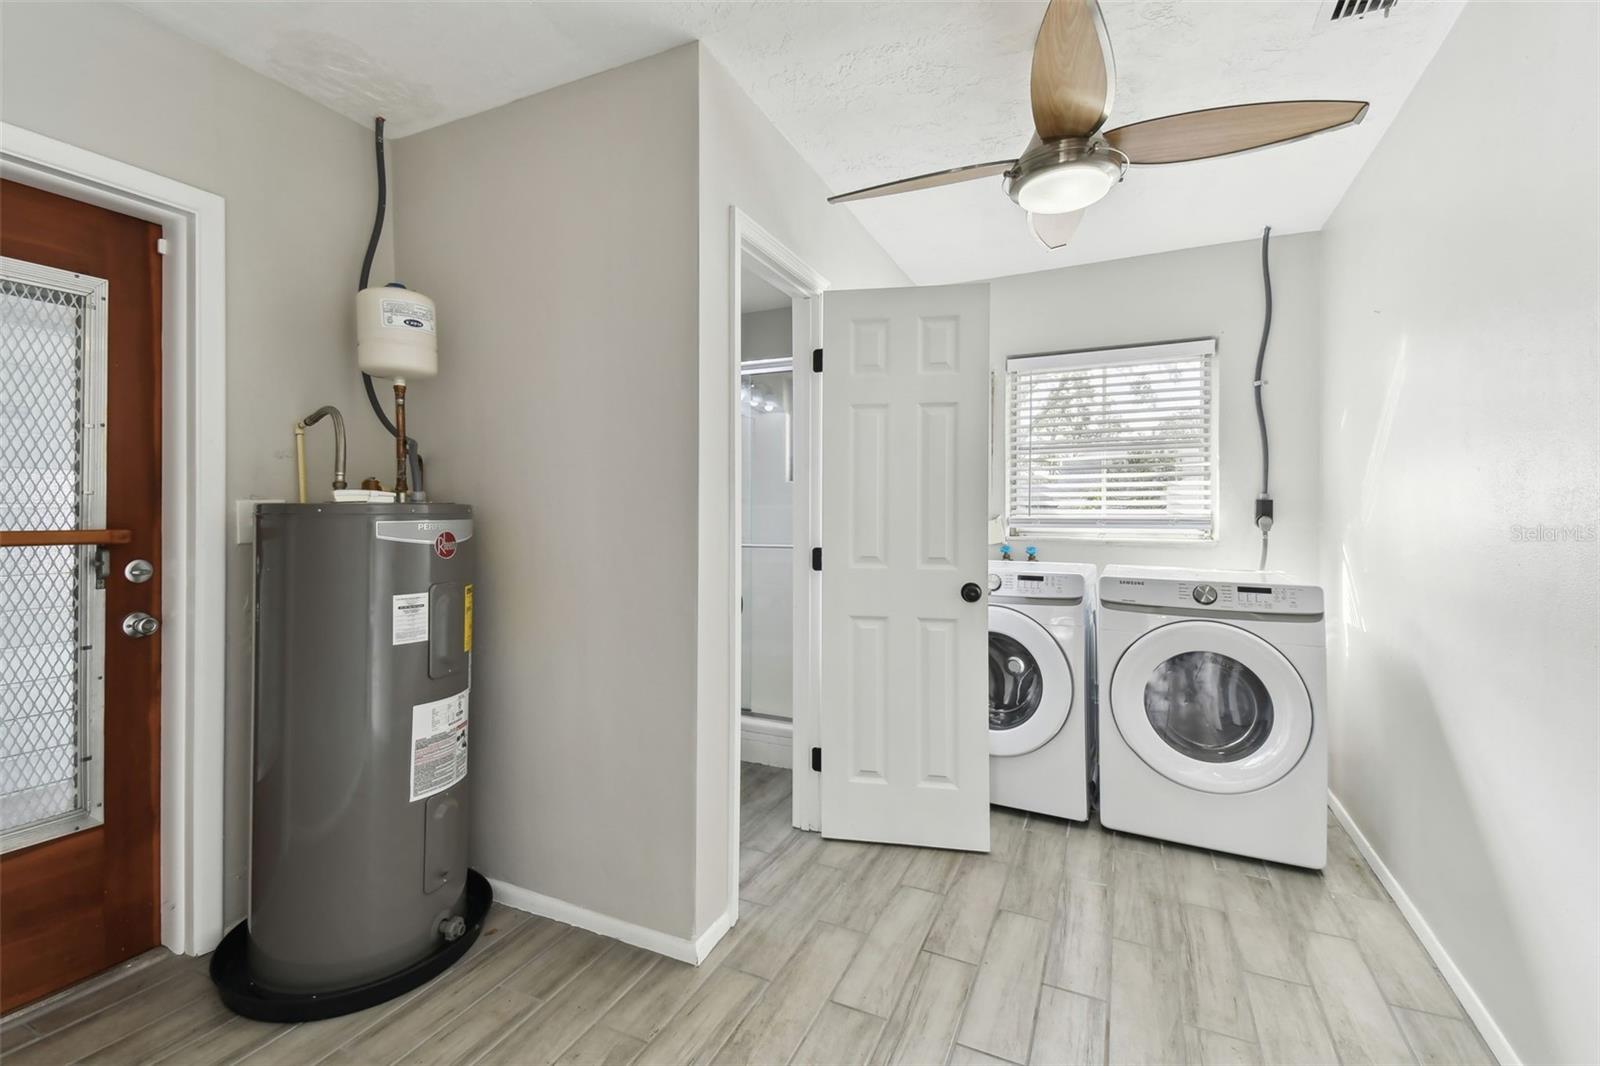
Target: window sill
x: 1114, y: 538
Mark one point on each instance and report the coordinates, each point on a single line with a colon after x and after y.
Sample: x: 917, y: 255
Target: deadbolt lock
x: 139, y: 571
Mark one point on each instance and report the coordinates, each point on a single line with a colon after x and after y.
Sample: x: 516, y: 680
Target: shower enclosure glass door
x: 766, y: 402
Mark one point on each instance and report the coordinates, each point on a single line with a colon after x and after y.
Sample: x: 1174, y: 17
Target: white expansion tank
x: 396, y: 333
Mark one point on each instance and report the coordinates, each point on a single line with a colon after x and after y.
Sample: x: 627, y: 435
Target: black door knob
x: 971, y: 592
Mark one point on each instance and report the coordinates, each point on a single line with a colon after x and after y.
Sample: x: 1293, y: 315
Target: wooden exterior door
x: 80, y: 511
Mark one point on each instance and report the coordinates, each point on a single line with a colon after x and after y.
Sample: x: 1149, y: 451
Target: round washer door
x: 1211, y: 706
x: 1030, y: 683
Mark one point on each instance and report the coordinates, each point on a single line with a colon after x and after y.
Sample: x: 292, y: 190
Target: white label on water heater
x: 406, y: 315
x: 411, y: 618
x: 438, y: 745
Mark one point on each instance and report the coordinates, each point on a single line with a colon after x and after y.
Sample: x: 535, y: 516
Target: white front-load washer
x: 1040, y: 633
x: 1213, y: 713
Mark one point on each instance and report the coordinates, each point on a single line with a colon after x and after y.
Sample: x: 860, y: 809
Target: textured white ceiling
x: 879, y: 90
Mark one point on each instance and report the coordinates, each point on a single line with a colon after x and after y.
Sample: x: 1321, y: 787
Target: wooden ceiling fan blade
x: 1054, y: 231
x: 1074, y: 75
x: 927, y: 181
x: 1219, y: 131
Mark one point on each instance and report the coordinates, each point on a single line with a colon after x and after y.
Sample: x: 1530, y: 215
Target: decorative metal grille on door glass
x: 52, y: 597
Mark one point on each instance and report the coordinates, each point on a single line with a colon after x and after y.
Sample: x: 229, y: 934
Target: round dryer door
x: 1211, y: 706
x: 1030, y: 683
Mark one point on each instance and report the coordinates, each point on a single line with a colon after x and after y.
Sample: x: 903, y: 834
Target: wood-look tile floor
x: 1067, y: 944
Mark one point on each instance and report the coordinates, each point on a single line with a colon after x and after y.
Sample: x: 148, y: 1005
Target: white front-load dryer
x: 1213, y: 715
x: 1040, y: 632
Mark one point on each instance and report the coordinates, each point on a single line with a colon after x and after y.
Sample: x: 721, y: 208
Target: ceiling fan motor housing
x: 1065, y: 174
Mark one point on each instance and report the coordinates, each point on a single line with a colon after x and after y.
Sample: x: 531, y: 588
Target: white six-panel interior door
x: 904, y: 501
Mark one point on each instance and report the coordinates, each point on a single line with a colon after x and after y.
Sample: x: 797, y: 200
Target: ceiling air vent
x: 1334, y: 11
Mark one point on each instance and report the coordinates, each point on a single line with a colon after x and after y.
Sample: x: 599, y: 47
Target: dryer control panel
x: 1035, y: 584
x: 1220, y: 596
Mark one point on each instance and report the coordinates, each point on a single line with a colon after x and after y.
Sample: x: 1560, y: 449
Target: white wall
x: 744, y: 161
x: 298, y: 183
x: 1460, y: 401
x: 765, y: 334
x: 565, y: 413
x: 1199, y: 292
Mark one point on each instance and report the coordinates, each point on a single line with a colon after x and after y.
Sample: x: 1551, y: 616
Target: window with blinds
x: 1113, y: 442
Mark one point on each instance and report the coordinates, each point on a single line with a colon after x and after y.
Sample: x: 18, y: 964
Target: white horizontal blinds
x: 1114, y: 440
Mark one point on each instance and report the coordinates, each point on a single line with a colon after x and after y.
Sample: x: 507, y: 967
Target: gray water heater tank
x: 358, y: 872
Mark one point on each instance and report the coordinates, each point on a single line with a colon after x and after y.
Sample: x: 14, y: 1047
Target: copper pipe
x: 400, y: 489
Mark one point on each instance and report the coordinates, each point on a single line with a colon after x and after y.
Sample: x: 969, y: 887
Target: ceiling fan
x: 1072, y: 161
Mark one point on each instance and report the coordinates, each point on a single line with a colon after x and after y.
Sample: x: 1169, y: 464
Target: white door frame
x: 752, y: 247
x: 193, y: 506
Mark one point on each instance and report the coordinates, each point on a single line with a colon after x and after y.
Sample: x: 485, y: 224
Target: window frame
x: 1114, y: 355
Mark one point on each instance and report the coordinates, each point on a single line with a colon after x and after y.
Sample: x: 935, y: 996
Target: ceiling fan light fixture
x: 1064, y: 176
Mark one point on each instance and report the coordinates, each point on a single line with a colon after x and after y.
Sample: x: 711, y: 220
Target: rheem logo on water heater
x: 444, y: 545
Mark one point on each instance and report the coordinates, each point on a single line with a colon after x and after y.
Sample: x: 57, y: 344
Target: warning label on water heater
x: 411, y: 618
x: 438, y: 745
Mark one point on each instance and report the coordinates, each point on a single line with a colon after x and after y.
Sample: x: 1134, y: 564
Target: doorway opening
x: 766, y: 554
x: 775, y: 323
x: 766, y: 549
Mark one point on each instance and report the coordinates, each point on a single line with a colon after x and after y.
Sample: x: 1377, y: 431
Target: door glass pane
x: 38, y: 685
x: 1208, y: 706
x: 1015, y: 684
x: 51, y: 368
x: 41, y: 406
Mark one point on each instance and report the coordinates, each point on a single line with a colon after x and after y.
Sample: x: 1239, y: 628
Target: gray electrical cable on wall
x: 1264, y: 499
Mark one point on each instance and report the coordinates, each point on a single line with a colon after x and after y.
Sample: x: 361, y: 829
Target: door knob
x: 971, y: 592
x: 139, y: 624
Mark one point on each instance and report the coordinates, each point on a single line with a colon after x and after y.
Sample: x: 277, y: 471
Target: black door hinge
x: 816, y: 559
x: 816, y: 360
x: 816, y: 759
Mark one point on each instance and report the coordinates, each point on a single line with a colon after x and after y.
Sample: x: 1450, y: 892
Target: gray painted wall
x: 1459, y: 399
x: 565, y: 413
x: 298, y: 183
x: 1197, y: 292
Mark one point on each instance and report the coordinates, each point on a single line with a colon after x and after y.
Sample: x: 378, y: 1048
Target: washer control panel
x: 1027, y: 583
x: 1215, y: 595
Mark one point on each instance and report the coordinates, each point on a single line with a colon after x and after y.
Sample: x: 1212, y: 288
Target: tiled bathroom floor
x: 1067, y: 944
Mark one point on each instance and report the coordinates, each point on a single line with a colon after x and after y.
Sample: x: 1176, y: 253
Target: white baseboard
x: 1474, y: 1006
x: 768, y: 741
x: 714, y: 932
x: 673, y: 947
